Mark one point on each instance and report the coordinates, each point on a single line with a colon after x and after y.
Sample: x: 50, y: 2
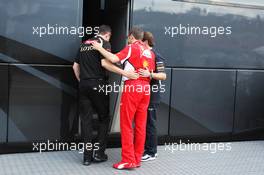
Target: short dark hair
x: 103, y: 29
x: 137, y: 32
x: 148, y: 36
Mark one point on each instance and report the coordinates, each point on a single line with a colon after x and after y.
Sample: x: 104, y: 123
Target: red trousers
x: 134, y: 105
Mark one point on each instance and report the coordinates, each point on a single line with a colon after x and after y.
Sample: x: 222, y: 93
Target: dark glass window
x: 243, y: 48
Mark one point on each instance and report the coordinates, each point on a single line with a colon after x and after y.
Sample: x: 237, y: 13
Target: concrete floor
x: 244, y: 158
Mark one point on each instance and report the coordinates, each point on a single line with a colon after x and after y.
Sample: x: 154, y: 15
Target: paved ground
x: 245, y: 158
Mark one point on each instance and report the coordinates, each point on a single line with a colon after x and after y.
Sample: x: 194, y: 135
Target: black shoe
x: 87, y: 162
x: 100, y: 157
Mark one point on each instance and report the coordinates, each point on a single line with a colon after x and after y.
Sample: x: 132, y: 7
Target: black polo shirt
x: 89, y: 60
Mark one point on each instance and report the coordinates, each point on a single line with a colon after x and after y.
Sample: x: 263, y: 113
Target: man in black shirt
x: 89, y: 68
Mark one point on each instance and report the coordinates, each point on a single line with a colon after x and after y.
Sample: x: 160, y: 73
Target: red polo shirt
x: 137, y: 56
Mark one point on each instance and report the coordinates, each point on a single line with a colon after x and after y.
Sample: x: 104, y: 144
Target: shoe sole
x: 149, y: 159
x: 98, y: 161
x: 87, y: 164
x: 125, y: 168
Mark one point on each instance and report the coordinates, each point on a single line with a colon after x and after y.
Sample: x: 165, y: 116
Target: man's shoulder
x: 158, y: 56
x: 137, y: 46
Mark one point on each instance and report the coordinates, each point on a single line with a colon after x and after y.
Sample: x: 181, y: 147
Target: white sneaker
x: 147, y: 157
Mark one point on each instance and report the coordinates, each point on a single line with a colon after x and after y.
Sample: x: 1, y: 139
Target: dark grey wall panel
x: 164, y: 107
x: 242, y: 49
x: 42, y: 103
x: 3, y: 101
x: 202, y: 102
x: 19, y: 41
x: 249, y: 114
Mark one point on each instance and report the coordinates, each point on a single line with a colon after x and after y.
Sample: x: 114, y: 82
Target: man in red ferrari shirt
x: 135, y: 99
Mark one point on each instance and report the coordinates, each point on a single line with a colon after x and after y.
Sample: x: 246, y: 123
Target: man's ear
x: 109, y: 36
x: 132, y: 37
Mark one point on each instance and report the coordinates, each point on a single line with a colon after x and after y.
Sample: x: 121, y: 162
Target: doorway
x: 114, y: 13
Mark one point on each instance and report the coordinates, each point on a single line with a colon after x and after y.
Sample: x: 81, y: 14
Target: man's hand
x: 97, y: 45
x: 131, y: 75
x: 144, y: 72
x: 106, y: 54
x: 76, y: 69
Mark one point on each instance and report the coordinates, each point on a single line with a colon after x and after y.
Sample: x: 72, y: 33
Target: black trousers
x: 151, y: 132
x: 92, y: 101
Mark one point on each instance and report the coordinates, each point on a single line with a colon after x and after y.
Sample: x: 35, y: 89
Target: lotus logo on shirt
x: 86, y: 48
x: 89, y: 47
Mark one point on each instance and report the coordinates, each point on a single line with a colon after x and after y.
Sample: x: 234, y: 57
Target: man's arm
x: 156, y: 76
x: 113, y: 68
x: 76, y: 69
x: 159, y: 76
x: 160, y: 73
x: 108, y: 55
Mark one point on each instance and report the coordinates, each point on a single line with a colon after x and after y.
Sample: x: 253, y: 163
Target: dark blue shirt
x: 160, y: 67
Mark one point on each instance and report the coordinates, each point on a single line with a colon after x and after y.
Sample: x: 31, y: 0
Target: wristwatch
x: 150, y: 76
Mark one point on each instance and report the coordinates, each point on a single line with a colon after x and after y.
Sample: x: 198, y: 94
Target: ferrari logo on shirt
x: 145, y: 64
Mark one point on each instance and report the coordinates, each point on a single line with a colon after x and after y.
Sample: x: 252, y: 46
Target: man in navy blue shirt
x: 159, y: 74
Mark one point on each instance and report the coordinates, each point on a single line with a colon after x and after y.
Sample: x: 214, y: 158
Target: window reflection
x: 183, y: 6
x: 248, y: 3
x: 197, y: 50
